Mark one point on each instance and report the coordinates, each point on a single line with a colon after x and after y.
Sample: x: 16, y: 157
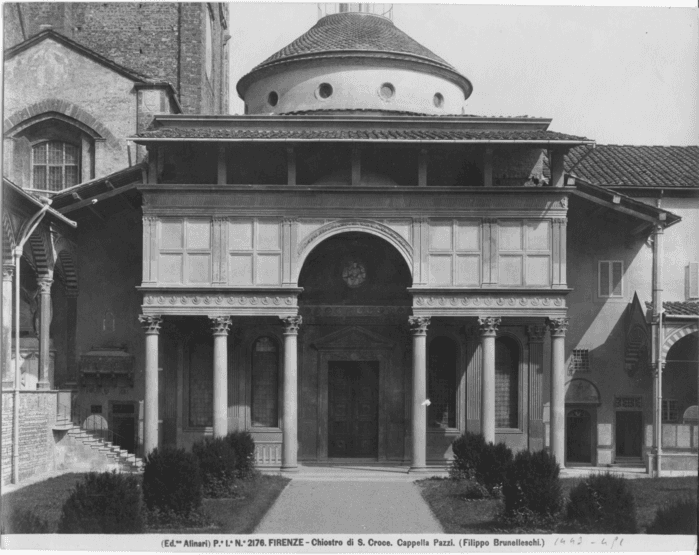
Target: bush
x: 25, y: 522
x: 244, y: 447
x: 491, y: 470
x: 467, y: 455
x: 532, y: 486
x: 172, y: 482
x: 603, y: 504
x: 105, y: 503
x: 679, y: 517
x: 470, y: 489
x: 217, y: 461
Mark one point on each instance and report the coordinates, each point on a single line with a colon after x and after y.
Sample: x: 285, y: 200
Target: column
x: 418, y: 327
x: 44, y: 284
x: 488, y: 329
x: 536, y: 387
x: 558, y: 327
x: 71, y: 334
x: 151, y: 326
x: 219, y: 326
x: 8, y: 271
x: 289, y: 415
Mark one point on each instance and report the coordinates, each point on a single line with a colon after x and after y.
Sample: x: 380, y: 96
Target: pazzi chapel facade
x: 353, y: 270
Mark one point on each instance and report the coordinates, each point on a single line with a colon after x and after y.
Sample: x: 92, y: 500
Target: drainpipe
x: 28, y: 230
x: 657, y: 323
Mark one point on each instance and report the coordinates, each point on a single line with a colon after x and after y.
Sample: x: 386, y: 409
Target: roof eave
x: 531, y: 142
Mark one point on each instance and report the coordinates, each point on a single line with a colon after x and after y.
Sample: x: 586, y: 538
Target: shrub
x: 244, y: 447
x: 492, y: 467
x: 104, y: 503
x: 172, y: 481
x: 679, y: 517
x: 532, y: 486
x: 25, y: 521
x: 467, y: 455
x: 603, y: 504
x: 217, y: 461
x: 470, y: 489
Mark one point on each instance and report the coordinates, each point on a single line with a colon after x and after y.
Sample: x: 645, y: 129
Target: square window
x: 579, y: 361
x: 670, y: 412
x: 610, y: 278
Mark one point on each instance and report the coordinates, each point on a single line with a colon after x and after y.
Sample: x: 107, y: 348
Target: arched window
x: 265, y: 383
x: 441, y: 384
x: 506, y: 383
x: 55, y: 165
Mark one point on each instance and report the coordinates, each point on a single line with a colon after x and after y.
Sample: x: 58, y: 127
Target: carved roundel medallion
x: 354, y: 273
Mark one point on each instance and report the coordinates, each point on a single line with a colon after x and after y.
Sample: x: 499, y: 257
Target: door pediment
x: 353, y: 337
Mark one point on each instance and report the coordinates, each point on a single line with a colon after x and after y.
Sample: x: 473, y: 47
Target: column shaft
x: 7, y: 369
x: 151, y: 325
x: 220, y: 327
x: 71, y: 335
x: 488, y: 329
x: 419, y: 413
x: 558, y: 328
x: 44, y: 333
x: 290, y: 416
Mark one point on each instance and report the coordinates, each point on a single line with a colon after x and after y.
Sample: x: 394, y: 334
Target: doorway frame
x: 592, y: 411
x: 342, y: 346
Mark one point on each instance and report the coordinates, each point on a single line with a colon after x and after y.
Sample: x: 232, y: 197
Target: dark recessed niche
x: 387, y: 91
x: 438, y: 100
x: 325, y: 90
x: 273, y: 98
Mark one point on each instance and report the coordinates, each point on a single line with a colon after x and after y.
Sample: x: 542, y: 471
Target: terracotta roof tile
x: 679, y: 308
x: 636, y: 166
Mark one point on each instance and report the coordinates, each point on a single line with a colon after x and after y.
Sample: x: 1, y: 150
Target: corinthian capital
x: 220, y: 324
x: 151, y: 324
x: 536, y: 333
x: 558, y: 326
x: 418, y: 324
x: 291, y: 324
x: 489, y: 325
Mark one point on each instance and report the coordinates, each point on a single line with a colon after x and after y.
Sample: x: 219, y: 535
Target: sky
x: 616, y: 75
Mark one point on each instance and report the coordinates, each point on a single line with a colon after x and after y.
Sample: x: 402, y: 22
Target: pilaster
x: 536, y: 334
x: 8, y: 272
x: 474, y: 370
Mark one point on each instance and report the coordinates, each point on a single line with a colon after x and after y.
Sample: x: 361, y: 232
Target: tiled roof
x: 345, y: 32
x: 636, y: 166
x: 372, y: 134
x: 679, y: 308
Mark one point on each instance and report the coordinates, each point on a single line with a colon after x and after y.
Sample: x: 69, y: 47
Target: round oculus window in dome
x: 325, y: 90
x: 273, y: 98
x: 438, y: 100
x: 387, y: 91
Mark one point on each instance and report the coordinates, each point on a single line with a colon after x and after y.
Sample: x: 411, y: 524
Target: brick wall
x: 164, y: 41
x: 37, y: 414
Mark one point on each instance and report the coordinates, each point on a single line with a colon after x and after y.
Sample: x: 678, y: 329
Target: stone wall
x: 37, y: 414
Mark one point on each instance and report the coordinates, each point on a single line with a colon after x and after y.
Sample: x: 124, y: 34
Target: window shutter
x: 604, y: 279
x: 617, y: 275
x: 692, y: 281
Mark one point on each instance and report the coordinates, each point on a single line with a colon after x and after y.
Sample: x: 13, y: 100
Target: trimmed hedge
x: 679, y: 517
x: 105, y: 503
x: 172, y: 482
x: 244, y: 447
x: 603, y: 504
x: 217, y: 460
x: 25, y: 522
x: 532, y: 485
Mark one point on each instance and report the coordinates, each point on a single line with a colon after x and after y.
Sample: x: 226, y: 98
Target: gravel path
x: 359, y: 507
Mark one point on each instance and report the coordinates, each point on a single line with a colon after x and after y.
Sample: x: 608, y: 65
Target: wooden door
x: 578, y: 436
x: 629, y: 433
x: 353, y: 409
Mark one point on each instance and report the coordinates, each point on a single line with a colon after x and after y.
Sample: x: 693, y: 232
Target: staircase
x: 112, y: 456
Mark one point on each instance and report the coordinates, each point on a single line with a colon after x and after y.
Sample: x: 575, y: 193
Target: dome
x: 364, y: 57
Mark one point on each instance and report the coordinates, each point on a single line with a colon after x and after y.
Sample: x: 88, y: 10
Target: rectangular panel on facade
x: 198, y: 234
x: 468, y: 236
x: 170, y: 268
x: 268, y: 269
x: 267, y: 235
x: 440, y: 235
x: 199, y: 268
x: 510, y: 270
x: 240, y: 235
x: 538, y: 270
x: 510, y: 236
x: 468, y: 269
x: 538, y: 236
x: 403, y: 228
x: 240, y: 269
x: 171, y: 235
x: 440, y: 270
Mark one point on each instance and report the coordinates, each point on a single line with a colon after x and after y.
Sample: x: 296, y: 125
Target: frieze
x: 221, y: 300
x: 465, y: 300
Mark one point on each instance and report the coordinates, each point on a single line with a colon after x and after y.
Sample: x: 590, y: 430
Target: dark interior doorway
x: 123, y: 424
x: 353, y: 409
x: 629, y: 433
x: 578, y: 436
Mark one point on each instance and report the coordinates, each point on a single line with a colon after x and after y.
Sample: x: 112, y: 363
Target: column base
x: 289, y: 469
